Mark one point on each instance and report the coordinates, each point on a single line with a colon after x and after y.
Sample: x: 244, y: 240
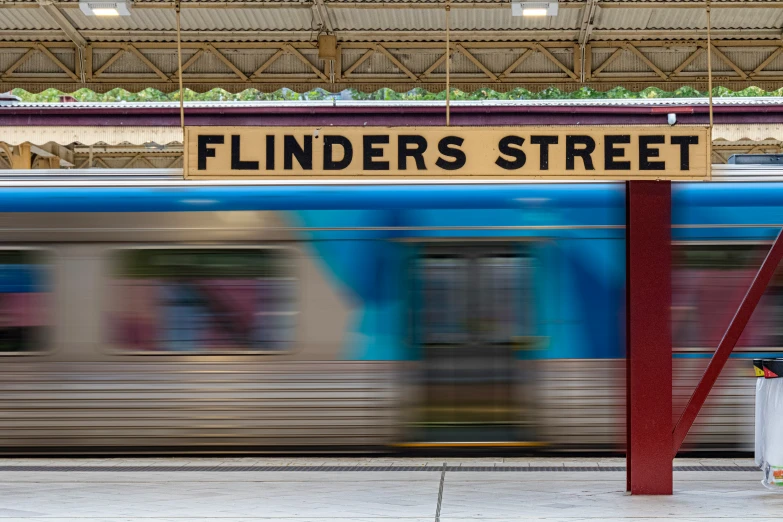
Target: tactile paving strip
x: 490, y: 469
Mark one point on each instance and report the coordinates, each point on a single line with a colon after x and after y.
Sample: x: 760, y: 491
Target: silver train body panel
x: 81, y: 394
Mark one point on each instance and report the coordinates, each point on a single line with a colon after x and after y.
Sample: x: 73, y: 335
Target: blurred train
x: 142, y: 313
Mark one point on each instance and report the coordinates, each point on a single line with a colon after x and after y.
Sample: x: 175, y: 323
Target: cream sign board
x: 404, y: 153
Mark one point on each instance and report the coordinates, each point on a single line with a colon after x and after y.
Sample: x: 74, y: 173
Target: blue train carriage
x: 214, y: 316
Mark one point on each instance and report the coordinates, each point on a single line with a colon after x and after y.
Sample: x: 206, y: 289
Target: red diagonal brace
x: 729, y: 341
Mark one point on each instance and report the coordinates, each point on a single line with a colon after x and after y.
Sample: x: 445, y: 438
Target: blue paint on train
x: 575, y: 235
x: 249, y: 197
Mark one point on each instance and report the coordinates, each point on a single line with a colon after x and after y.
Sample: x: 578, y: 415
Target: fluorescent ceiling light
x: 533, y: 8
x: 99, y: 8
x: 534, y: 11
x: 105, y: 11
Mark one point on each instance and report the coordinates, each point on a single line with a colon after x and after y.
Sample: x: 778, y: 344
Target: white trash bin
x: 758, y: 369
x: 772, y: 424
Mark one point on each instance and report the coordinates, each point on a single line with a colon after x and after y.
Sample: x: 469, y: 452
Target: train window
x: 474, y: 292
x: 708, y: 283
x: 24, y: 290
x: 203, y: 300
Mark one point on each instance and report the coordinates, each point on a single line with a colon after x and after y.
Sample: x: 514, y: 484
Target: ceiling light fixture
x: 118, y: 8
x: 533, y: 8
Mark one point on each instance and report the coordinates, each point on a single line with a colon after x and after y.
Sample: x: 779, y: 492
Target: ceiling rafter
x: 527, y: 53
x: 291, y: 49
x: 728, y: 62
x: 685, y: 63
x: 116, y: 56
x: 540, y: 48
x: 190, y: 61
x: 589, y: 12
x: 467, y: 54
x: 61, y: 20
x: 405, y: 65
x: 22, y: 59
x: 322, y: 14
x: 647, y: 62
x: 606, y: 63
x: 766, y: 62
x: 437, y: 63
x: 133, y: 50
x: 264, y: 66
x: 393, y: 59
x: 43, y: 49
x: 363, y: 58
x: 220, y: 56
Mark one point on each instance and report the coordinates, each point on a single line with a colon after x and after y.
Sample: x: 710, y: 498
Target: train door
x: 474, y: 310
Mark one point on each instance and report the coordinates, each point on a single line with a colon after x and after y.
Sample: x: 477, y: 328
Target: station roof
x: 397, y: 20
x: 736, y: 119
x: 131, y: 135
x: 268, y: 44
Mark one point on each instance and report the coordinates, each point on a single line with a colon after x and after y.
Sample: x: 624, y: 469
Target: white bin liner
x: 758, y: 368
x: 772, y: 425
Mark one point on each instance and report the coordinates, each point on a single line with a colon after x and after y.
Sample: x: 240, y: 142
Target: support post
x: 648, y: 336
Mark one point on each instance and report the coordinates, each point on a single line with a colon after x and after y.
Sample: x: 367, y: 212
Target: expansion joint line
x: 440, y: 493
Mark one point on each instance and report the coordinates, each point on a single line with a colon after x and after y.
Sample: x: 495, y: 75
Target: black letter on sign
x: 205, y: 152
x: 236, y: 163
x: 646, y: 153
x: 270, y: 152
x: 329, y: 143
x: 517, y: 153
x: 584, y: 153
x: 685, y: 152
x: 449, y: 147
x: 544, y: 142
x: 304, y: 155
x: 403, y: 140
x: 369, y: 152
x: 610, y: 153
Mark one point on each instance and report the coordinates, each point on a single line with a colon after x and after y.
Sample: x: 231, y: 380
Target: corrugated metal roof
x: 418, y: 20
x: 236, y: 19
x: 662, y: 19
x: 139, y: 19
x: 461, y: 20
x: 27, y: 18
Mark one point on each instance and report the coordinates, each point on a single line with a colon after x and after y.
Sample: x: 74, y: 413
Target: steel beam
x: 322, y: 13
x: 648, y: 333
x: 61, y: 20
x: 588, y: 19
x: 404, y: 65
x: 728, y: 342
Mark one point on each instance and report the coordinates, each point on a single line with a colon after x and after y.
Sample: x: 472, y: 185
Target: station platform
x: 373, y: 489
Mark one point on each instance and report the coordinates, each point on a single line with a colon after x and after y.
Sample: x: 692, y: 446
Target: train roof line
x: 173, y: 178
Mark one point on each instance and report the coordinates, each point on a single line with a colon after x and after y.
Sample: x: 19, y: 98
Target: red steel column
x: 648, y: 336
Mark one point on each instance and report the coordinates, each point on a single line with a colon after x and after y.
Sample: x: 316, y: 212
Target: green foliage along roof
x: 550, y: 93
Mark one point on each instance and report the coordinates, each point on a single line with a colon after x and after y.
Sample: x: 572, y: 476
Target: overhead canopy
x: 103, y: 134
x: 125, y: 135
x: 113, y: 135
x: 268, y: 44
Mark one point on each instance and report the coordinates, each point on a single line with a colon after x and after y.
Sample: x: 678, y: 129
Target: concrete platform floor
x: 293, y: 489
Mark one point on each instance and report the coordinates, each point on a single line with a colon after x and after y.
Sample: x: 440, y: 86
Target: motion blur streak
x: 358, y: 318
